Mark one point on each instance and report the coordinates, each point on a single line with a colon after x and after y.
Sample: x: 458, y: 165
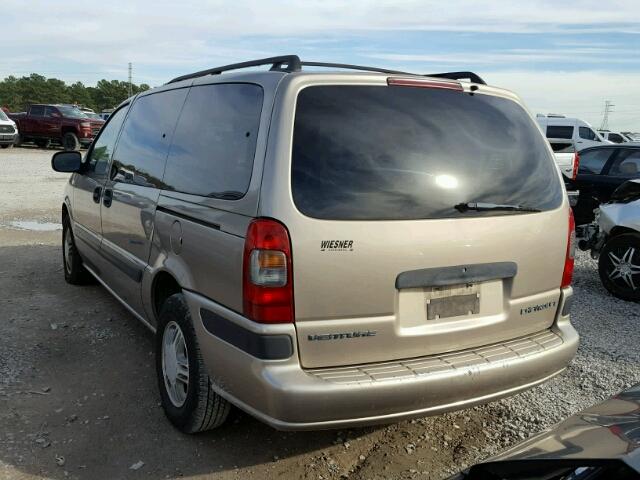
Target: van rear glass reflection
x: 397, y: 153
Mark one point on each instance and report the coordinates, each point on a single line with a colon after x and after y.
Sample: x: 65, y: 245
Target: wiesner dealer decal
x: 336, y: 245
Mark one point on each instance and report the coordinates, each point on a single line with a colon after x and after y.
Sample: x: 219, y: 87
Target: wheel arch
x: 163, y: 285
x: 619, y: 230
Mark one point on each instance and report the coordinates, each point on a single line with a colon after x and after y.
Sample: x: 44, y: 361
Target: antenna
x: 130, y: 85
x: 608, y: 108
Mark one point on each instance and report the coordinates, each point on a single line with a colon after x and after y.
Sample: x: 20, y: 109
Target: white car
x: 8, y: 131
x: 559, y: 126
x: 615, y: 137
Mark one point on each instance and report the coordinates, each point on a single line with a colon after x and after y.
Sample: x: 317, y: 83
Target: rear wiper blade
x: 482, y: 207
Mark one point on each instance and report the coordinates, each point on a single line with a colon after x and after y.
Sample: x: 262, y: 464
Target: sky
x: 559, y: 56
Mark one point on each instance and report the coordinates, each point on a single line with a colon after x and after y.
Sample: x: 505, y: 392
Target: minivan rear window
x: 398, y: 153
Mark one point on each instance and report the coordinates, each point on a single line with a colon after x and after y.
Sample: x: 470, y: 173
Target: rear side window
x: 397, y: 153
x: 559, y: 131
x: 563, y: 147
x: 593, y: 161
x: 215, y: 141
x: 144, y: 142
x: 615, y: 138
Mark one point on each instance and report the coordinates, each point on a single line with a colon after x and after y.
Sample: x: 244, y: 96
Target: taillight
x: 576, y: 164
x: 567, y: 274
x: 424, y: 83
x: 267, y: 276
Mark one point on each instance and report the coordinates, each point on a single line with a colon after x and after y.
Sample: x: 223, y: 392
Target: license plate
x: 452, y: 301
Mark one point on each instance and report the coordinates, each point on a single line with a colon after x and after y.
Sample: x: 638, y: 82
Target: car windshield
x: 71, y: 112
x: 3, y: 116
x: 399, y: 153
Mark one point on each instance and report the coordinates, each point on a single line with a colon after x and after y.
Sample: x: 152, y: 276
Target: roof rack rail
x: 348, y: 66
x: 292, y: 63
x: 474, y: 77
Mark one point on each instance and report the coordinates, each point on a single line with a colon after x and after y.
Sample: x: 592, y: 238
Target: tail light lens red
x: 267, y: 275
x: 576, y: 164
x: 567, y: 274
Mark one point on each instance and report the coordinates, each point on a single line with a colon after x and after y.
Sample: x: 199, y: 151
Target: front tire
x: 70, y: 142
x: 74, y: 271
x: 6, y: 146
x: 188, y: 399
x: 619, y: 266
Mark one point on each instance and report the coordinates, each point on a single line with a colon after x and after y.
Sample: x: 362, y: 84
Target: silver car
x: 329, y: 246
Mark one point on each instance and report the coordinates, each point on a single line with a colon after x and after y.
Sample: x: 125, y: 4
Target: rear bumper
x: 284, y: 395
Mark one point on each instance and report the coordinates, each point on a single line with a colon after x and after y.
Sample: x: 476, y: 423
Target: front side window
x: 400, y: 153
x: 587, y: 134
x: 51, y: 112
x: 627, y: 164
x: 71, y: 112
x: 559, y: 131
x: 103, y: 146
x: 593, y: 161
x: 215, y: 141
x: 146, y: 135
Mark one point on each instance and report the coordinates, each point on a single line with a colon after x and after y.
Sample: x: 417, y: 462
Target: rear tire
x: 74, y: 271
x: 188, y: 399
x: 6, y: 146
x: 619, y: 266
x: 70, y: 142
x: 43, y: 143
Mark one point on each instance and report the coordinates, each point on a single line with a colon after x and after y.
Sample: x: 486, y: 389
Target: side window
x: 593, y: 161
x: 37, y: 110
x: 144, y: 142
x: 627, y: 164
x: 102, y: 148
x: 588, y: 134
x: 51, y: 112
x: 615, y: 138
x: 559, y: 131
x: 215, y: 141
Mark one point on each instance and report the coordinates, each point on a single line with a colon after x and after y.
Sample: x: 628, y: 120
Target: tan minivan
x: 326, y: 245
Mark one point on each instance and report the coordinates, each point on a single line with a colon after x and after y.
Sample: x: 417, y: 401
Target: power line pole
x: 130, y: 85
x: 608, y: 108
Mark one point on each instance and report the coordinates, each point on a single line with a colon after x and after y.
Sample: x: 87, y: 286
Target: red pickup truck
x: 63, y: 124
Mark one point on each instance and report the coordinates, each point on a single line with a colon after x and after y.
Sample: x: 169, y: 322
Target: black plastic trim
x: 175, y: 213
x: 438, y: 277
x: 264, y: 347
x: 133, y: 272
x: 566, y: 307
x: 473, y: 77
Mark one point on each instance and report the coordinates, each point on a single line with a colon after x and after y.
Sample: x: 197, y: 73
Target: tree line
x: 18, y: 93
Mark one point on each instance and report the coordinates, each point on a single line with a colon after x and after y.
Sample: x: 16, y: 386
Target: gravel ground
x: 78, y: 397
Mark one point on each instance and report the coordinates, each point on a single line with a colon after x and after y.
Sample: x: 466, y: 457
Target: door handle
x: 107, y: 197
x: 96, y: 194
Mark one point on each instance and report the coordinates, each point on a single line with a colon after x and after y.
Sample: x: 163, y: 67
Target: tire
x: 70, y: 141
x: 619, y: 266
x: 192, y: 406
x: 6, y: 146
x: 74, y: 271
x: 43, y: 143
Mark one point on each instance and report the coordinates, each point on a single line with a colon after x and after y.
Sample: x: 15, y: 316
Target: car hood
x: 608, y: 430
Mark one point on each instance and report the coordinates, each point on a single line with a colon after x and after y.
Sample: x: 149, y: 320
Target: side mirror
x: 68, y: 162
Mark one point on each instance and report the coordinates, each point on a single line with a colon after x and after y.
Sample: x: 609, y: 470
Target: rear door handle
x: 107, y: 197
x: 96, y: 194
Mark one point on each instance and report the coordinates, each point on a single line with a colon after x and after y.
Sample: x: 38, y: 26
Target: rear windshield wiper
x: 485, y: 207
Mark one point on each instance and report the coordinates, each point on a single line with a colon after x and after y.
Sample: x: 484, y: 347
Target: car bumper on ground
x: 256, y: 367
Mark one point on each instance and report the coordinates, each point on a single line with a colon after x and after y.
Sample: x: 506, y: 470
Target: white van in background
x: 559, y: 126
